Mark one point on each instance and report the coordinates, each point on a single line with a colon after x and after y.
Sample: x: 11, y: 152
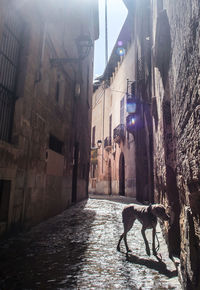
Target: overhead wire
x: 101, y: 93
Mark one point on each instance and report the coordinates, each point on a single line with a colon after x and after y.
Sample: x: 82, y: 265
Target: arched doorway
x: 121, y: 174
x: 109, y: 178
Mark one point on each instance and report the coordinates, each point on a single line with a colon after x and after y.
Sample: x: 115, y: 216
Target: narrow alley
x: 77, y: 250
x: 99, y: 107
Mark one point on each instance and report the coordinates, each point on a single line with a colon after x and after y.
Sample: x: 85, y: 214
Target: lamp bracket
x: 60, y: 61
x: 82, y: 42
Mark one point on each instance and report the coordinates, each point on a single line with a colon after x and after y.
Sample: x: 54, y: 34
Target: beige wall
x: 110, y: 100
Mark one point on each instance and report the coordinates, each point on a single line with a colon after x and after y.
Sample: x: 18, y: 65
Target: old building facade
x: 121, y: 117
x: 46, y: 71
x: 113, y: 166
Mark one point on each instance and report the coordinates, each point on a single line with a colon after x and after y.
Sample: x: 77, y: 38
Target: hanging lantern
x: 131, y: 123
x: 131, y: 105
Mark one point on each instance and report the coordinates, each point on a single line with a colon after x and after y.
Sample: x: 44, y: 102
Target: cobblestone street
x: 77, y: 250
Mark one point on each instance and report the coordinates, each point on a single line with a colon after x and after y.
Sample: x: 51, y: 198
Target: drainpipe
x: 106, y: 34
x: 104, y: 85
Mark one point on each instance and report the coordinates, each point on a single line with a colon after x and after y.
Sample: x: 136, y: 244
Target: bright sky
x: 117, y: 13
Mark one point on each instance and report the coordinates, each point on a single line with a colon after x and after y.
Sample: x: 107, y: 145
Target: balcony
x: 119, y: 133
x: 108, y: 144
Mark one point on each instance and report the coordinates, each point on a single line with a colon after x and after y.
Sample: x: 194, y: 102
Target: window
x: 133, y: 89
x: 57, y: 91
x: 10, y: 45
x: 93, y: 171
x: 140, y: 68
x: 55, y: 144
x: 93, y: 136
x: 122, y: 111
x: 110, y: 130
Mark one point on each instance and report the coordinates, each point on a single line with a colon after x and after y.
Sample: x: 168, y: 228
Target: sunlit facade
x: 113, y: 168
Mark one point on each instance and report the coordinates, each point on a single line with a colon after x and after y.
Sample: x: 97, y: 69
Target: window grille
x: 140, y: 69
x: 133, y: 89
x: 9, y: 60
x: 119, y: 133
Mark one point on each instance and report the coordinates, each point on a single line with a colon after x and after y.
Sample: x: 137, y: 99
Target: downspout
x: 104, y: 85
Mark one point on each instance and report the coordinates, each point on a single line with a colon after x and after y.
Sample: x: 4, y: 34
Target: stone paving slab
x: 77, y: 250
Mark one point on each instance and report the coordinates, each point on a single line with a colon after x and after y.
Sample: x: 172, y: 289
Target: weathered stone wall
x: 15, y: 156
x: 176, y: 146
x: 47, y: 105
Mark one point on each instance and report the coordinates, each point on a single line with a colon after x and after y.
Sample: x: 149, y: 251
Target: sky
x: 117, y: 13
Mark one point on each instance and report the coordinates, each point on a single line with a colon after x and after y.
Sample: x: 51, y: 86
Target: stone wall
x: 176, y: 131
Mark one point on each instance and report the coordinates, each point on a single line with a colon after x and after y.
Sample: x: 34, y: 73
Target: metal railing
x: 6, y: 113
x: 9, y: 60
x: 119, y: 133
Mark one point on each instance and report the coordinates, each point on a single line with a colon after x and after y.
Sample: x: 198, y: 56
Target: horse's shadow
x: 159, y: 265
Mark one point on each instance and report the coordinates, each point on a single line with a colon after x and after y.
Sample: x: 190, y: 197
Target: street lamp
x: 83, y: 44
x: 131, y: 107
x: 130, y: 123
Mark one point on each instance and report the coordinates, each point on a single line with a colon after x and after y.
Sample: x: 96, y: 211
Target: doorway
x: 122, y: 175
x: 109, y: 178
x: 5, y: 187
